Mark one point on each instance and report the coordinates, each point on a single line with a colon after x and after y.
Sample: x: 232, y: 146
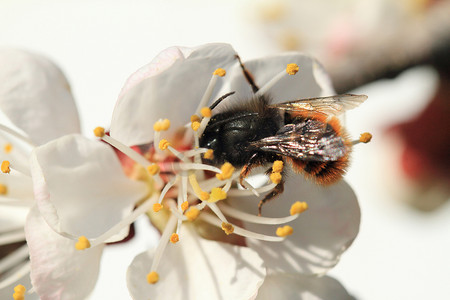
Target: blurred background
x: 394, y: 51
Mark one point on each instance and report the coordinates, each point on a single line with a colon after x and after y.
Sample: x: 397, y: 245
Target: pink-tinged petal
x: 310, y: 81
x: 289, y: 286
x: 173, y: 93
x: 36, y: 96
x: 80, y: 187
x: 58, y: 270
x: 321, y: 233
x: 196, y: 268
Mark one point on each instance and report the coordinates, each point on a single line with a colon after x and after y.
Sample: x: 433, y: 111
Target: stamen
x: 17, y: 135
x: 209, y: 154
x: 5, y: 167
x: 227, y: 170
x: 195, y: 125
x: 161, y: 125
x: 290, y: 70
x: 20, y: 270
x: 163, y: 144
x: 166, y: 188
x: 220, y: 72
x: 3, y: 189
x: 174, y: 238
x: 193, y: 152
x: 242, y: 193
x: 206, y: 112
x: 203, y: 125
x: 184, y: 206
x: 210, y: 88
x: 7, y: 148
x: 19, y: 292
x: 153, y: 169
x: 240, y: 231
x: 238, y: 214
x: 202, y: 195
x: 99, y: 132
x: 195, y: 118
x: 215, y: 209
x: 217, y: 194
x: 228, y: 228
x: 194, y: 166
x: 157, y: 207
x: 364, y: 138
x: 284, y: 231
x: 152, y: 277
x: 83, y: 243
x: 298, y: 207
x: 192, y: 214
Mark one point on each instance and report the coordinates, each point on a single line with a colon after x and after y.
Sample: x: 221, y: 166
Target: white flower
x: 176, y: 85
x: 36, y: 105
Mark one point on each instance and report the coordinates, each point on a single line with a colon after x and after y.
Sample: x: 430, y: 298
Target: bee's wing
x: 310, y: 140
x: 333, y: 105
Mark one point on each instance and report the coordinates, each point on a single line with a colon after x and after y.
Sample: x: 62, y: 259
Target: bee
x: 304, y: 133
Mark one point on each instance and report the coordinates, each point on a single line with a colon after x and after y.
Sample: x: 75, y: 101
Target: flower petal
x: 171, y: 87
x: 310, y: 81
x: 287, y: 286
x: 196, y: 268
x: 58, y: 270
x: 36, y: 96
x: 321, y: 234
x: 80, y: 187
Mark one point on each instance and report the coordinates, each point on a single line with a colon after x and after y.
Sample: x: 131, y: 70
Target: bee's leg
x: 278, y: 189
x: 248, y: 75
x: 252, y: 162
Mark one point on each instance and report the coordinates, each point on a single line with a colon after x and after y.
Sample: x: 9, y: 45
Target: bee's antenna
x: 248, y: 75
x: 220, y: 100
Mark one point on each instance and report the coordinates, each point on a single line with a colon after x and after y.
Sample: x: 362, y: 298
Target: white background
x: 400, y: 253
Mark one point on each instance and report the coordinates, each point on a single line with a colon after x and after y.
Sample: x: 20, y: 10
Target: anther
x: 3, y: 189
x: 217, y: 194
x: 7, y: 148
x: 195, y: 118
x: 292, y: 69
x: 298, y: 207
x: 164, y: 144
x: 153, y: 169
x: 152, y: 277
x: 277, y: 166
x: 220, y: 72
x: 195, y: 125
x: 365, y: 137
x: 227, y: 171
x: 284, y: 231
x: 209, y: 154
x: 192, y: 214
x: 174, y: 238
x: 99, y: 132
x: 19, y: 292
x: 184, y: 205
x: 275, y: 177
x: 228, y: 228
x: 204, y: 196
x: 5, y: 167
x: 161, y: 125
x: 206, y: 112
x: 83, y: 243
x: 157, y: 207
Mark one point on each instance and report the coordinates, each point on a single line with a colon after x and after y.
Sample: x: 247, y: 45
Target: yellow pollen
x: 206, y: 112
x: 3, y: 189
x: 19, y: 292
x: 184, y: 205
x: 164, y: 144
x: 275, y: 177
x: 99, y: 132
x: 277, y: 166
x: 7, y: 148
x: 83, y: 243
x: 292, y: 69
x: 192, y: 214
x: 5, y: 166
x: 152, y: 277
x: 161, y: 125
x: 221, y: 72
x: 217, y: 194
x: 284, y: 231
x: 204, y: 196
x: 174, y: 238
x: 195, y: 118
x: 209, y: 154
x: 365, y: 137
x: 298, y: 207
x: 157, y: 207
x: 195, y: 125
x: 228, y: 228
x: 227, y: 171
x: 153, y: 169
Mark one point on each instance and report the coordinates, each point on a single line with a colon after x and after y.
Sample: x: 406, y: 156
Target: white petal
x: 80, y: 186
x: 35, y: 96
x: 293, y: 287
x: 58, y: 270
x: 19, y: 154
x: 12, y: 218
x: 172, y: 93
x: 321, y: 234
x: 310, y: 81
x: 19, y: 187
x: 196, y: 268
